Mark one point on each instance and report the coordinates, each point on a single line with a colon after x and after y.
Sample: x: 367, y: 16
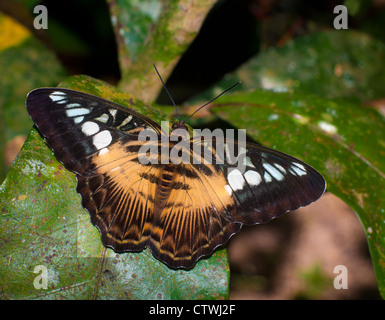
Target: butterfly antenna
x: 165, y: 88
x: 228, y: 89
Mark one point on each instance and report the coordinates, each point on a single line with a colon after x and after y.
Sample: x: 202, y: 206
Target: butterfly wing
x: 98, y: 140
x: 210, y: 202
x: 119, y: 196
x: 77, y: 125
x: 193, y: 222
x: 267, y: 184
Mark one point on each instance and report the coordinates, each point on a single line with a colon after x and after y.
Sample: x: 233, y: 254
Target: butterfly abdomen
x: 164, y: 186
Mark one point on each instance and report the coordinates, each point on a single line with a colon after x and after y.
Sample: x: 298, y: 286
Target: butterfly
x: 181, y: 212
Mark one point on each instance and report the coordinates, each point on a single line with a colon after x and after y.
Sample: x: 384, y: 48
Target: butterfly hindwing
x: 192, y: 223
x: 120, y: 200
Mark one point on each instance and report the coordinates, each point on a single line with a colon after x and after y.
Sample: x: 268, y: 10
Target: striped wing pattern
x: 181, y: 212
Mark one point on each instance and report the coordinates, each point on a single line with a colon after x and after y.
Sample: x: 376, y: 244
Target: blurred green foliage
x: 306, y: 90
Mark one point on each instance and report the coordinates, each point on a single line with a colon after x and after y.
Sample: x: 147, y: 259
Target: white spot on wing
x: 298, y: 172
x: 236, y: 180
x: 77, y: 112
x: 125, y: 121
x: 280, y: 168
x: 267, y: 177
x: 73, y: 105
x: 89, y: 128
x: 77, y: 120
x: 113, y: 112
x: 57, y: 96
x: 102, y: 139
x: 103, y: 118
x: 298, y: 168
x: 253, y: 177
x: 275, y: 173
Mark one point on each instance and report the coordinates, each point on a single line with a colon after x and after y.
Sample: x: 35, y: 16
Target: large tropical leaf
x: 344, y: 141
x: 42, y: 223
x: 332, y: 64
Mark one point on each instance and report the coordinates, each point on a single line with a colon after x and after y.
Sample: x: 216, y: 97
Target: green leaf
x: 344, y: 141
x: 333, y: 64
x: 153, y: 31
x: 24, y: 65
x: 42, y: 223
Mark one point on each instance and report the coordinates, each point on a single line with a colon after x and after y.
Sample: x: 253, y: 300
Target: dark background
x: 294, y: 256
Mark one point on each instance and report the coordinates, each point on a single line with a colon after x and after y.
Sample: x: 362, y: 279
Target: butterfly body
x: 164, y: 186
x: 181, y: 210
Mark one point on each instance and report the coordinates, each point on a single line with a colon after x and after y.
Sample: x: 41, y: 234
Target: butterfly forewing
x: 77, y: 125
x: 268, y: 184
x: 182, y: 212
x: 98, y: 140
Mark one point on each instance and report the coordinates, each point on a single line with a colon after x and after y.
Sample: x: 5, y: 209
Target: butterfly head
x: 179, y: 125
x: 180, y: 130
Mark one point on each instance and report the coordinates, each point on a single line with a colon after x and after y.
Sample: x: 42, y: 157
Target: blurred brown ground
x: 293, y: 257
